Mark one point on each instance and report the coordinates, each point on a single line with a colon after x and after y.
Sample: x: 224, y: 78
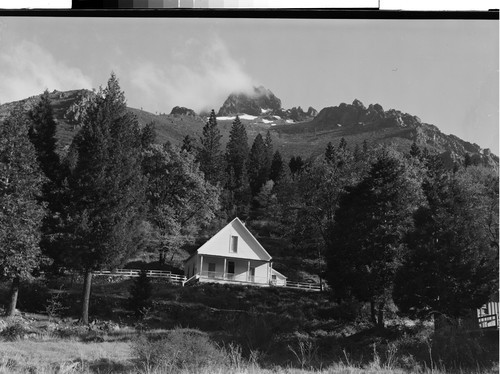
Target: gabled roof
x: 235, y: 226
x: 274, y: 271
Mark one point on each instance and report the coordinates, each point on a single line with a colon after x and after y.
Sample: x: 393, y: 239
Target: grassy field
x: 232, y: 329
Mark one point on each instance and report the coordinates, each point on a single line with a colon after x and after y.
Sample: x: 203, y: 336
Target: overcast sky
x: 443, y: 71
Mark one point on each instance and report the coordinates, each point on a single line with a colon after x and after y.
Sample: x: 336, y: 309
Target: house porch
x: 231, y: 270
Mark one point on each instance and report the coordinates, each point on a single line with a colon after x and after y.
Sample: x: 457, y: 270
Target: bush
x: 13, y: 331
x: 140, y: 294
x: 33, y: 296
x: 458, y: 348
x: 180, y: 349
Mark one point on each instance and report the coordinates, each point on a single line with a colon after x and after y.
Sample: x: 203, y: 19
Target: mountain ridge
x: 355, y: 122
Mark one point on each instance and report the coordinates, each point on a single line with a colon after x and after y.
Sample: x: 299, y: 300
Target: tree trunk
x: 87, y: 284
x: 372, y: 312
x: 380, y: 322
x: 14, y: 291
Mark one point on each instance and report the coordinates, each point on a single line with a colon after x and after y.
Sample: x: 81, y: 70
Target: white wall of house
x: 220, y: 244
x: 277, y: 279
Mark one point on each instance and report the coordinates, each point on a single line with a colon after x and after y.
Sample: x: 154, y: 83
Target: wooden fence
x: 303, y: 286
x: 174, y: 278
x: 182, y: 280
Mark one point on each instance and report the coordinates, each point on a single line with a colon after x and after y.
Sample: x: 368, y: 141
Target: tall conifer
x: 209, y: 153
x: 257, y: 165
x: 20, y: 212
x: 237, y: 150
x: 106, y: 188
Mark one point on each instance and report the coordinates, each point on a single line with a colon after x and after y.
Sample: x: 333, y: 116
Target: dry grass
x: 61, y: 351
x: 51, y: 357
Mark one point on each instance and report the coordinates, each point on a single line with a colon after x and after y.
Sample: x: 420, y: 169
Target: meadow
x: 224, y: 329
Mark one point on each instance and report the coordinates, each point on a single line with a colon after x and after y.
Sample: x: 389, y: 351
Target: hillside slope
x: 354, y: 122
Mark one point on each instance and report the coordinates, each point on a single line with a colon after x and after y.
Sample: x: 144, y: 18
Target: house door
x: 230, y: 270
x: 252, y: 275
x: 211, y: 270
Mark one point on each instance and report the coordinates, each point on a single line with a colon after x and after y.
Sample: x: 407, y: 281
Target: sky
x: 443, y: 71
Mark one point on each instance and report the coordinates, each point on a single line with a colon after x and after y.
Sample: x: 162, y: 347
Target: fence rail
x: 182, y: 280
x: 303, y: 286
x: 175, y: 278
x: 490, y: 320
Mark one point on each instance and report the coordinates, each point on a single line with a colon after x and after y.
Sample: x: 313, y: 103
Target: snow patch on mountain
x: 247, y: 117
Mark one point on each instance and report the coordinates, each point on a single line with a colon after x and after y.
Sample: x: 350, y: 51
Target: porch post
x: 224, y: 270
x: 270, y: 273
x: 201, y: 265
x: 248, y: 271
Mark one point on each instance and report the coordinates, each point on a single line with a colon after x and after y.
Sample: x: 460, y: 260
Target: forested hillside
x: 379, y: 216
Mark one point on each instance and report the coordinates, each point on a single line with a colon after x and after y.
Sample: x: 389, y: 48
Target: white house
x: 233, y: 255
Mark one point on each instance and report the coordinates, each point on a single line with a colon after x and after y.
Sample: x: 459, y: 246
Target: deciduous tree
x: 179, y: 199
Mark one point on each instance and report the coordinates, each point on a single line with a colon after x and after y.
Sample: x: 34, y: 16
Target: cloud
x: 197, y: 76
x: 27, y: 69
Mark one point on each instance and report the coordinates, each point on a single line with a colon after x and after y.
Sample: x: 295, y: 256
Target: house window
x: 233, y: 248
x: 211, y: 270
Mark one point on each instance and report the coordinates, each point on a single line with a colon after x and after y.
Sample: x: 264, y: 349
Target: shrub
x: 13, y: 331
x: 457, y: 347
x: 140, y: 294
x: 180, y: 349
x: 33, y: 296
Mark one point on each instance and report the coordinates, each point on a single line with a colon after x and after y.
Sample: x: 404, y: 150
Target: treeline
x: 387, y: 227
x: 113, y: 195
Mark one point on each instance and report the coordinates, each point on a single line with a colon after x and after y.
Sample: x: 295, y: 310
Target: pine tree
x: 365, y: 148
x: 106, y: 188
x: 148, y: 135
x: 268, y: 143
x: 237, y: 150
x: 257, y: 160
x: 277, y: 167
x: 342, y: 145
x: 330, y: 152
x: 366, y: 241
x: 415, y: 151
x: 42, y: 133
x: 209, y: 153
x: 188, y: 144
x: 296, y: 165
x: 20, y: 212
x: 452, y: 262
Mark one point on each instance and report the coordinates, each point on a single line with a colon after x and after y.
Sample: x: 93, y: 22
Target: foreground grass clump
x: 179, y: 349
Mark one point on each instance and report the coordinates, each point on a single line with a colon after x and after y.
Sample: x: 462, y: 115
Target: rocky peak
x: 255, y: 103
x: 182, y: 111
x: 311, y: 112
